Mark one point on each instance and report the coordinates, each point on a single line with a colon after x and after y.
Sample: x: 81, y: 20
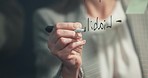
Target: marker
x: 79, y: 30
x: 50, y: 28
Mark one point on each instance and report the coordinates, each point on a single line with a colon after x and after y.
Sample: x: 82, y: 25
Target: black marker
x: 50, y: 28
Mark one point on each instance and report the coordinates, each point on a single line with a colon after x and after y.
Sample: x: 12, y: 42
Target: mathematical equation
x: 97, y: 25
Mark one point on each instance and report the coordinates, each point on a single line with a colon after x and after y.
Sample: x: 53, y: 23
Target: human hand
x: 67, y: 45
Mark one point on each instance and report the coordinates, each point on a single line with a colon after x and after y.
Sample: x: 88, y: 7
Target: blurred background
x: 17, y: 59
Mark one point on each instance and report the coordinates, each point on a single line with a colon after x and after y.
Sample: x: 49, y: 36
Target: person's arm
x: 66, y: 44
x: 80, y: 75
x: 13, y: 29
x: 44, y: 57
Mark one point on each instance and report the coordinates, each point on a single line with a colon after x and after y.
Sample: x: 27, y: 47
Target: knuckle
x: 57, y: 33
x: 73, y: 34
x: 57, y: 25
x: 62, y: 41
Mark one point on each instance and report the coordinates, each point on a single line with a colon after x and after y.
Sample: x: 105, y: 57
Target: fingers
x: 65, y: 33
x: 71, y: 50
x: 68, y: 26
x: 63, y: 42
x: 73, y: 45
x: 65, y: 30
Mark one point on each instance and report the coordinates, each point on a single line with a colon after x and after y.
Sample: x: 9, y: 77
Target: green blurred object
x: 137, y: 7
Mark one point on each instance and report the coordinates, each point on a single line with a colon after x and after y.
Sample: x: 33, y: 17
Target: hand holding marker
x: 65, y: 42
x: 50, y: 28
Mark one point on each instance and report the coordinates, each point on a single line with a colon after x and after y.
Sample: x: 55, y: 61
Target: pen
x: 50, y: 28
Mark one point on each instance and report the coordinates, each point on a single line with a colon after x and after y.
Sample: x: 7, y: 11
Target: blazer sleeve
x: 47, y: 65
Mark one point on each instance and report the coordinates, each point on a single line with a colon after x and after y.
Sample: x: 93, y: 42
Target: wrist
x: 68, y: 72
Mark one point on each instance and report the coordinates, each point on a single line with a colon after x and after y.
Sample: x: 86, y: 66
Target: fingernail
x: 84, y: 41
x: 79, y: 35
x: 77, y: 25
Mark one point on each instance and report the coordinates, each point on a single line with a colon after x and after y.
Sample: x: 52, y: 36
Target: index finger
x: 68, y: 26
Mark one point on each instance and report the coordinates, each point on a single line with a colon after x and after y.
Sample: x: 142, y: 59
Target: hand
x: 67, y: 45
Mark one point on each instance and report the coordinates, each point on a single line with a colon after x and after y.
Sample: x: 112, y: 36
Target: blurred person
x: 11, y: 33
x: 118, y: 52
x: 11, y: 26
